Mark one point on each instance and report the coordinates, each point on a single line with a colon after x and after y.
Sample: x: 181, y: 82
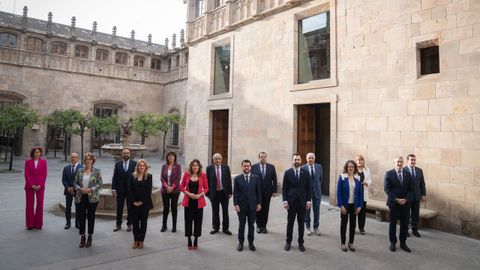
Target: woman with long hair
x: 35, y: 178
x: 170, y: 178
x: 366, y: 180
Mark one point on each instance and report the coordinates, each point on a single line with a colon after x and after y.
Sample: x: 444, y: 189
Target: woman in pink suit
x: 35, y: 178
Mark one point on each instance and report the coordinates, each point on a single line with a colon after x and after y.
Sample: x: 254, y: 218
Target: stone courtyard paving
x: 56, y: 248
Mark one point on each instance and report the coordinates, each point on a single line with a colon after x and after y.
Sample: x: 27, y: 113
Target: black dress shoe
x: 174, y: 229
x: 129, y: 228
x: 30, y: 228
x: 214, y: 231
x: 264, y: 230
x: 117, y: 228
x: 251, y: 246
x: 287, y: 246
x: 227, y: 232
x: 67, y: 226
x: 164, y: 228
x: 405, y: 247
x: 301, y: 247
x: 259, y: 230
x: 240, y: 247
x: 351, y: 248
x: 392, y: 247
x: 416, y: 233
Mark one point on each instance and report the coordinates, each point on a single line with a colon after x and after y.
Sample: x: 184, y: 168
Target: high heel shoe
x: 82, y: 241
x: 89, y: 241
x: 135, y: 244
x: 343, y: 247
x: 140, y: 244
x: 351, y: 248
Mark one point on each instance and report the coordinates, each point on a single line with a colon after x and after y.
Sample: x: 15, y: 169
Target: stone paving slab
x: 56, y: 248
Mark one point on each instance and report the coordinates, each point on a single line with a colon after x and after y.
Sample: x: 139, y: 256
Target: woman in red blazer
x: 35, y: 178
x: 170, y: 178
x: 194, y: 186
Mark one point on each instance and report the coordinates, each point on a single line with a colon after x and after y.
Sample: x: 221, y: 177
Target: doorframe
x: 210, y: 153
x: 334, y: 164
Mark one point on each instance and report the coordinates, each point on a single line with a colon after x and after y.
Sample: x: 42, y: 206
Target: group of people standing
x: 252, y: 191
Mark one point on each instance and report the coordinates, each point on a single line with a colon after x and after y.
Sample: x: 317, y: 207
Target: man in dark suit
x: 68, y: 176
x: 419, y: 192
x: 315, y: 171
x: 296, y: 193
x: 398, y: 186
x: 247, y: 199
x: 121, y: 173
x: 268, y: 183
x: 220, y: 192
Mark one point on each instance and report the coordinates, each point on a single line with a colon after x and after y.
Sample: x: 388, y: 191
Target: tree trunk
x: 13, y: 149
x: 65, y: 141
x: 163, y: 146
x: 6, y: 150
x: 81, y: 145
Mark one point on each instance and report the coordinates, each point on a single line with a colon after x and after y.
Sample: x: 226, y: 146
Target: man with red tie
x: 220, y: 192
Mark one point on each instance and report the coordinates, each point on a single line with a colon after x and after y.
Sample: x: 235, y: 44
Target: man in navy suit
x: 419, y: 191
x: 315, y: 175
x: 268, y: 183
x: 296, y: 193
x: 220, y: 192
x: 122, y: 172
x: 398, y: 186
x: 68, y: 176
x: 247, y: 200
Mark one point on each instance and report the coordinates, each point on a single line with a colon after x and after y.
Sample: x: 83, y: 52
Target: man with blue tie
x: 398, y: 186
x: 121, y: 173
x: 316, y: 175
x: 419, y: 191
x: 296, y: 193
x: 219, y: 193
x: 268, y: 184
x: 247, y: 200
x: 68, y: 176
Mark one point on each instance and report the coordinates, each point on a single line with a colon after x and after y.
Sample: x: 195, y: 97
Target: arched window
x: 121, y: 58
x: 138, y: 61
x: 175, y: 129
x: 81, y: 51
x: 105, y: 109
x: 8, y: 40
x: 101, y: 55
x: 7, y: 138
x: 186, y: 58
x: 177, y: 61
x: 156, y: 64
x: 59, y: 48
x: 34, y: 44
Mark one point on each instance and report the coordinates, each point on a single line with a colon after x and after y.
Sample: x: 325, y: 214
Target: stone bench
x: 382, y: 211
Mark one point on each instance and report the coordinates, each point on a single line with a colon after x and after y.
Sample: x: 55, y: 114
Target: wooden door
x: 306, y: 130
x: 220, y: 134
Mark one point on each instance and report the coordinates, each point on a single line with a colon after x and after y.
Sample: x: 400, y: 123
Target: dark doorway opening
x: 220, y: 134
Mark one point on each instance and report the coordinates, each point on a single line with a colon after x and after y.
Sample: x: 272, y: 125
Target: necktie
x: 218, y: 177
x: 263, y: 171
x: 413, y: 172
x: 296, y: 174
x: 73, y: 168
x: 125, y: 167
x: 400, y: 177
x: 246, y: 178
x: 312, y: 172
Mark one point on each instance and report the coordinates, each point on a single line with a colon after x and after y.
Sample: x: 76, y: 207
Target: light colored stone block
x: 452, y: 191
x: 476, y: 122
x: 427, y: 4
x: 440, y: 139
x: 457, y: 122
x: 462, y: 175
x: 473, y: 195
x: 440, y: 106
x: 470, y: 45
x: 466, y: 105
x: 466, y: 140
x: 418, y: 107
x: 437, y: 173
x: 426, y: 123
x: 400, y: 123
x: 451, y: 157
x: 474, y: 87
x: 376, y: 123
x: 424, y: 91
x: 471, y: 158
x: 394, y: 108
x: 429, y: 155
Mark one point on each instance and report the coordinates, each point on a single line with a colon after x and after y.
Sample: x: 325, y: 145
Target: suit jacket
x: 174, y: 177
x: 136, y: 196
x: 212, y: 180
x: 35, y: 176
x: 315, y: 183
x: 120, y: 177
x: 269, y: 183
x: 202, y: 187
x: 343, y: 191
x: 394, y: 189
x: 68, y: 177
x: 294, y: 189
x: 418, y: 183
x: 247, y: 195
x: 95, y: 183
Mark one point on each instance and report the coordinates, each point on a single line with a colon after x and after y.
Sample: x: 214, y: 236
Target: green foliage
x: 82, y: 122
x: 64, y: 120
x: 145, y: 124
x: 165, y: 122
x: 105, y: 125
x: 17, y: 117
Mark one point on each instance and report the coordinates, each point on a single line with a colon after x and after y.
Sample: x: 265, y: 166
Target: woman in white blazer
x: 366, y: 180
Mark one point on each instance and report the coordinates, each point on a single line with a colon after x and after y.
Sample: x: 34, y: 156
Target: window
x: 218, y: 3
x: 138, y: 61
x: 101, y: 55
x: 177, y: 61
x: 59, y: 48
x: 186, y: 58
x: 156, y: 64
x: 174, y: 135
x: 34, y: 44
x: 81, y: 51
x: 314, y: 48
x: 8, y: 40
x: 199, y: 8
x: 429, y: 60
x: 169, y: 64
x: 221, y: 81
x: 105, y: 110
x: 121, y: 58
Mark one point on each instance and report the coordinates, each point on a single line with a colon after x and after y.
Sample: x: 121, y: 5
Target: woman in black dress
x: 194, y: 185
x: 140, y: 192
